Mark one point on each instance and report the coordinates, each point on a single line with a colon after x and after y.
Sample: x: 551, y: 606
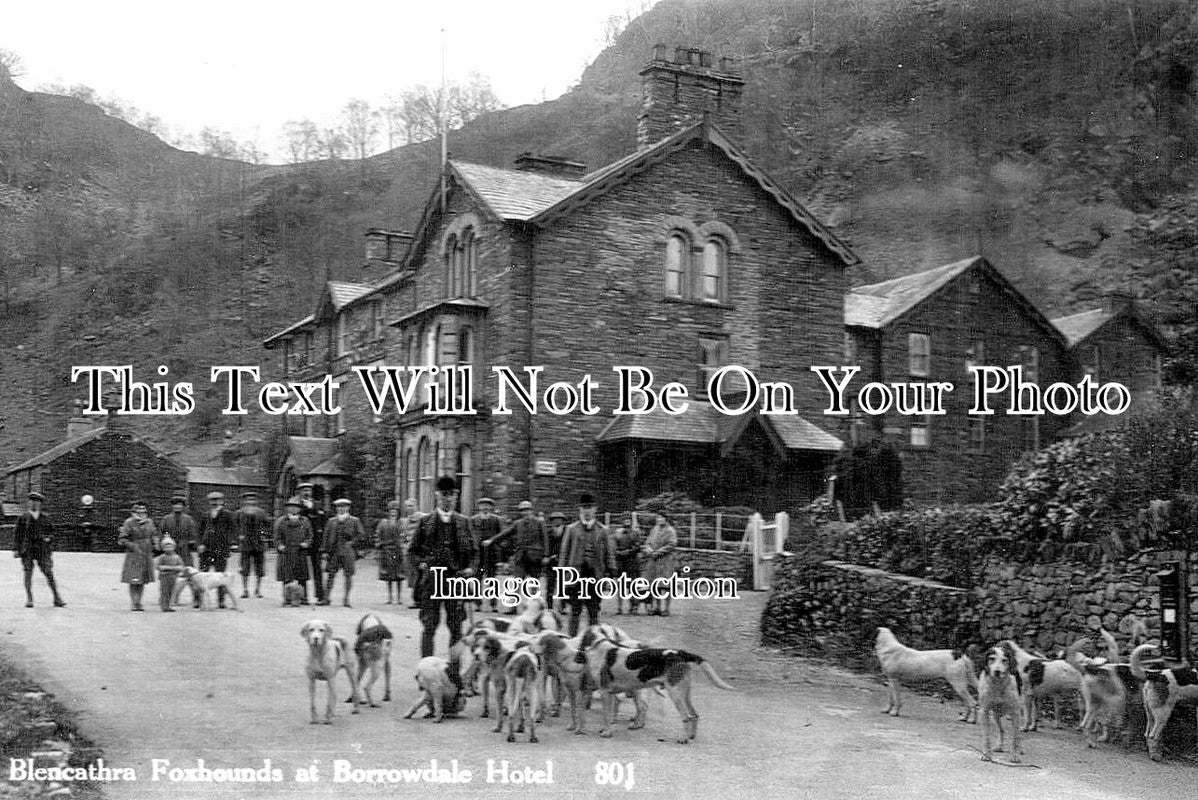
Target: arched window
x: 466, y: 479
x: 428, y: 474
x: 452, y: 254
x: 715, y: 269
x: 410, y: 475
x: 677, y: 265
x: 466, y: 264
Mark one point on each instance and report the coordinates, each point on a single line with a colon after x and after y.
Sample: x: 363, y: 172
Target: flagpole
x: 444, y: 122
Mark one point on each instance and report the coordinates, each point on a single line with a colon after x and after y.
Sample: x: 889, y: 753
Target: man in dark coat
x: 181, y: 526
x: 33, y: 543
x: 343, y: 534
x: 530, y: 552
x: 442, y: 539
x: 557, y: 530
x: 317, y: 518
x: 586, y: 548
x: 485, y: 527
x: 252, y: 528
x: 216, y: 539
x: 293, y: 538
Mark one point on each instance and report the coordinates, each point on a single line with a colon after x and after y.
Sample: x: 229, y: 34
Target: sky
x: 247, y: 67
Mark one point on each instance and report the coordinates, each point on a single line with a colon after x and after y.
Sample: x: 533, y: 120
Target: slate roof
x: 876, y: 305
x: 269, y: 342
x: 60, y: 449
x: 703, y: 424
x: 516, y: 195
x: 1077, y: 327
x: 313, y: 455
x: 342, y: 293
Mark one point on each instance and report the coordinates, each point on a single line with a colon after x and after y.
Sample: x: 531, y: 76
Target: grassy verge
x: 33, y: 721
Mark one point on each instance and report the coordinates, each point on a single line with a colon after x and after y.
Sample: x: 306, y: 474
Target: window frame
x: 912, y: 355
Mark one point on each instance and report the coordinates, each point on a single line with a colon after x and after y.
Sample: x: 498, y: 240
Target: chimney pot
x: 660, y: 52
x: 704, y: 59
x: 680, y: 55
x: 678, y: 94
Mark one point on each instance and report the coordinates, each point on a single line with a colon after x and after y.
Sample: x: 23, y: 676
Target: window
x: 713, y: 354
x: 427, y: 467
x: 977, y: 434
x: 465, y: 479
x: 715, y: 267
x: 677, y: 265
x: 857, y: 426
x: 410, y: 474
x: 1031, y: 433
x: 850, y: 349
x: 465, y: 345
x: 1091, y: 359
x: 461, y: 256
x: 975, y: 356
x: 376, y: 321
x: 342, y: 334
x: 920, y: 431
x: 919, y: 354
x: 307, y: 357
x: 288, y: 357
x: 1029, y: 359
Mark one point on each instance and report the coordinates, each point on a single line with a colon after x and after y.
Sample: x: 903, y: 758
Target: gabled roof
x: 275, y: 338
x: 1077, y: 328
x: 702, y: 424
x: 878, y: 305
x: 527, y: 197
x: 312, y: 455
x: 75, y: 442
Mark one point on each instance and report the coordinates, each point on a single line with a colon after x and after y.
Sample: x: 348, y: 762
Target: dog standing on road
x: 207, y: 586
x: 1163, y: 689
x: 327, y: 655
x: 900, y: 662
x: 522, y: 674
x: 373, y: 649
x: 1044, y: 679
x: 1000, y: 692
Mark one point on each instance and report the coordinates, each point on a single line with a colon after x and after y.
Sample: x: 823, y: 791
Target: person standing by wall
x: 391, y: 555
x: 33, y: 543
x: 137, y: 534
x: 293, y: 537
x: 660, y: 561
x: 586, y: 548
x: 442, y: 539
x: 216, y: 539
x: 342, y: 535
x: 252, y: 527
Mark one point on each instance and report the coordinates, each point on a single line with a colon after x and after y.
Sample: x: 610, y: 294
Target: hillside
x: 1055, y: 137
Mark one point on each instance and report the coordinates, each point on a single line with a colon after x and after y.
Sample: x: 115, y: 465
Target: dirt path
x: 229, y: 689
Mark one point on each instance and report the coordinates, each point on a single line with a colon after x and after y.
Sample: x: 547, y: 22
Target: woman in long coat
x: 138, y: 535
x: 293, y: 537
x: 659, y: 559
x: 387, y: 538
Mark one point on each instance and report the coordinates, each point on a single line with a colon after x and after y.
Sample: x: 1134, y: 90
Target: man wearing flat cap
x: 317, y: 518
x: 252, y: 527
x: 485, y: 526
x: 293, y: 539
x: 531, y: 551
x: 557, y: 529
x: 33, y: 543
x: 442, y: 539
x: 216, y: 539
x: 343, y: 534
x: 585, y: 547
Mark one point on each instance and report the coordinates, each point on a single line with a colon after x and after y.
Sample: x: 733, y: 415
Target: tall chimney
x: 78, y: 424
x: 386, y: 247
x: 676, y: 93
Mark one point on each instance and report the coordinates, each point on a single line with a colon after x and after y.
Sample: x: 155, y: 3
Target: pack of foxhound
x: 1012, y: 683
x: 522, y: 668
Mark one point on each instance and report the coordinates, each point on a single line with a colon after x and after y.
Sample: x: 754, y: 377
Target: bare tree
x: 361, y: 125
x: 392, y: 115
x: 218, y: 143
x: 11, y: 65
x: 332, y: 143
x: 419, y: 107
x: 302, y: 139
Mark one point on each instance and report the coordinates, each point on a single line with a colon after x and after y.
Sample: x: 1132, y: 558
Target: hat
x: 557, y: 515
x: 341, y: 501
x: 294, y: 501
x: 138, y: 502
x: 179, y: 498
x: 248, y: 495
x: 165, y: 541
x: 36, y: 496
x: 394, y: 504
x: 304, y: 486
x: 524, y: 504
x: 216, y: 495
x: 586, y: 499
x: 486, y: 500
x: 446, y: 484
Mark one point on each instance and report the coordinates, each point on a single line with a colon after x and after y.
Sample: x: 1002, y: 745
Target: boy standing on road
x: 33, y: 543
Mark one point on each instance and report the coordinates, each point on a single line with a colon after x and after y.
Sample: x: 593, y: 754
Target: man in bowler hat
x: 586, y: 548
x: 317, y: 518
x: 33, y: 543
x: 442, y: 539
